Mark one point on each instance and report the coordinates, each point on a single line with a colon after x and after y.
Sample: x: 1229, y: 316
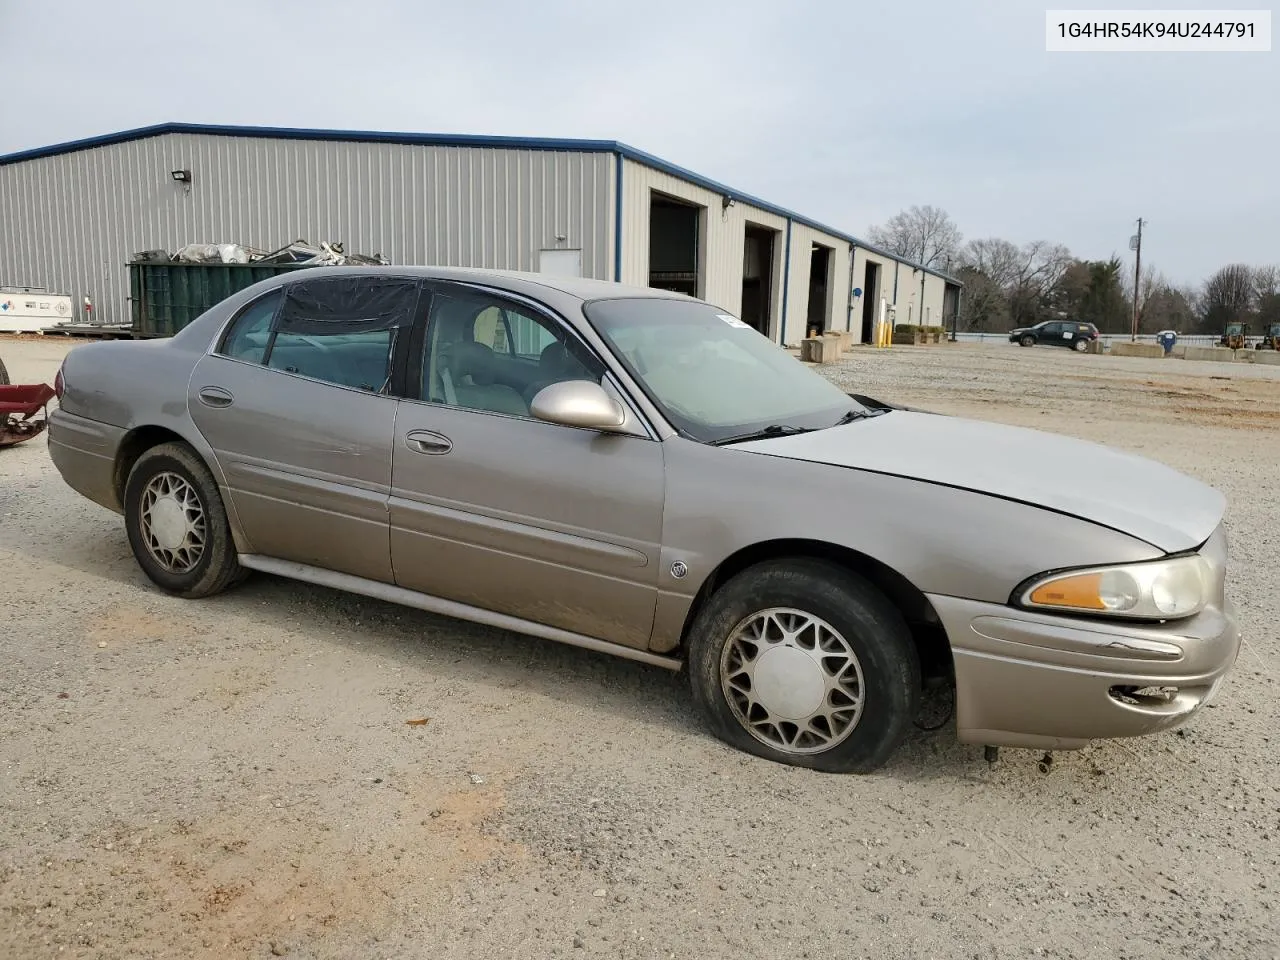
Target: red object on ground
x: 18, y: 404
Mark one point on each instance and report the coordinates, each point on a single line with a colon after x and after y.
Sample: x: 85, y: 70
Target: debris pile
x: 325, y: 254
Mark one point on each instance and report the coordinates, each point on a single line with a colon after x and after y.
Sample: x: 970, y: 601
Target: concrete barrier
x: 1129, y: 349
x: 820, y: 349
x: 1224, y: 354
x: 1271, y: 357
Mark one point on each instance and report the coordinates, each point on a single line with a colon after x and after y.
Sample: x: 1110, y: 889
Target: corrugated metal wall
x: 70, y: 222
x: 908, y: 299
x: 802, y: 240
x: 722, y: 240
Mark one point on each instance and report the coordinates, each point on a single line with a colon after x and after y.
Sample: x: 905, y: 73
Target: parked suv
x: 1056, y: 333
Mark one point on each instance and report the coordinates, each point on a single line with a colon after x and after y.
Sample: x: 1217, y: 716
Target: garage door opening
x: 950, y: 306
x: 674, y: 261
x: 757, y: 277
x: 820, y: 263
x: 870, y: 295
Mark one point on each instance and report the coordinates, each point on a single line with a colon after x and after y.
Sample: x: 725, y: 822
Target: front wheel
x: 804, y: 663
x: 1027, y: 341
x: 1082, y: 346
x: 177, y: 524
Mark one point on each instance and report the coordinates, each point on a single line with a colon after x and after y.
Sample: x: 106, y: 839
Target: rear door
x: 496, y: 509
x: 298, y: 404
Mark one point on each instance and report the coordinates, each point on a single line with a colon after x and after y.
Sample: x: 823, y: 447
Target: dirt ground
x: 238, y: 777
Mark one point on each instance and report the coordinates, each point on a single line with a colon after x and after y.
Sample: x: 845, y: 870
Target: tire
x: 178, y: 471
x: 1081, y: 346
x: 873, y: 632
x: 1028, y: 341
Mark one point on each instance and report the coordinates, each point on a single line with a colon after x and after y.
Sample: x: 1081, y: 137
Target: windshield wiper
x: 853, y: 415
x: 773, y: 430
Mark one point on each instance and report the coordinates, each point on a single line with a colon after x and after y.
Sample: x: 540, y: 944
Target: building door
x: 675, y: 257
x: 560, y: 263
x: 819, y: 312
x: 870, y: 296
x: 757, y: 277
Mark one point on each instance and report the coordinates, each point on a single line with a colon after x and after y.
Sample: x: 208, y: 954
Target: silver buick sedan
x: 640, y: 473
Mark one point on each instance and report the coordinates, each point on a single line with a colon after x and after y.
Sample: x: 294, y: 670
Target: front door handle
x: 427, y: 441
x: 215, y: 397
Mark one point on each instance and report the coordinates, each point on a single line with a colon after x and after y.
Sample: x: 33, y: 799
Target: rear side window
x: 251, y: 332
x: 340, y: 330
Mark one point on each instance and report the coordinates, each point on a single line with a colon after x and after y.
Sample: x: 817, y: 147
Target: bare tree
x: 1025, y: 274
x: 1166, y: 308
x: 984, y: 306
x: 925, y: 234
x: 1229, y: 295
x: 1266, y: 281
x: 1266, y: 288
x: 1153, y: 282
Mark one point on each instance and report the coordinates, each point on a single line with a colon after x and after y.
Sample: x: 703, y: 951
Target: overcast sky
x: 844, y: 112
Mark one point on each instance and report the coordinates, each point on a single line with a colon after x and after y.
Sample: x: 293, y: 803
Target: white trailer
x: 32, y: 309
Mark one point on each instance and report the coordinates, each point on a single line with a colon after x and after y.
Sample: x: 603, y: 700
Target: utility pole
x: 1136, y: 243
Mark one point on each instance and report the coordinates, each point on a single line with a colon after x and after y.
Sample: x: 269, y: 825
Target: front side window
x: 712, y: 375
x: 484, y: 353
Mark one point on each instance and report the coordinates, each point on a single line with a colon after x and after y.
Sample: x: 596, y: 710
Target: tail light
x: 59, y: 382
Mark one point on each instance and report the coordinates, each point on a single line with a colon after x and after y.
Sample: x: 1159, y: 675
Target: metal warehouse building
x: 73, y: 214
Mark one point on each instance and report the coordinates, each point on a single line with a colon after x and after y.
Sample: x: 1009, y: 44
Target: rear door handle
x: 215, y: 397
x: 427, y: 441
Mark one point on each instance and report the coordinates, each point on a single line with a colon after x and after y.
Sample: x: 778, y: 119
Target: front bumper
x: 1027, y: 679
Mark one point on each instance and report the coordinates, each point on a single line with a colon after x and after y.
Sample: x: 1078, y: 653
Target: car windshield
x: 713, y: 376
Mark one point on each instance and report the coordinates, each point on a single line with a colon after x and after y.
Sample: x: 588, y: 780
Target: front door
x: 297, y: 406
x: 493, y: 508
x: 1051, y: 333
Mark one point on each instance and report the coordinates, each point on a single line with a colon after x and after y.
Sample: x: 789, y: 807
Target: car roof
x: 581, y: 288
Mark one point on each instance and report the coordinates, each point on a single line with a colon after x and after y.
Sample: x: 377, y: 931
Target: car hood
x: 1132, y: 494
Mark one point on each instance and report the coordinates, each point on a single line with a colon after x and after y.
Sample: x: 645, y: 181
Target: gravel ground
x: 237, y: 776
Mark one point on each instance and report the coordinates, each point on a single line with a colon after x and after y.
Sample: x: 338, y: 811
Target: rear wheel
x: 177, y: 524
x: 1081, y: 346
x: 804, y: 663
x: 1028, y: 341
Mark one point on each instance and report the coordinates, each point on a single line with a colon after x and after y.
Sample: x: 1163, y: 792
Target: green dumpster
x: 165, y: 297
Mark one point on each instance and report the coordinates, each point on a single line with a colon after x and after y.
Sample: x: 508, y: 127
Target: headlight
x: 1163, y: 590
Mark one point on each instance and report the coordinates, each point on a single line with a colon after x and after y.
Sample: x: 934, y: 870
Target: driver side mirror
x: 578, y: 403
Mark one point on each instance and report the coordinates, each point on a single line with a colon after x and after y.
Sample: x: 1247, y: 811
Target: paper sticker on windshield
x: 733, y: 321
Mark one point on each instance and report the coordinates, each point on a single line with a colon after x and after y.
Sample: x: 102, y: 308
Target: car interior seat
x: 555, y: 364
x: 469, y: 368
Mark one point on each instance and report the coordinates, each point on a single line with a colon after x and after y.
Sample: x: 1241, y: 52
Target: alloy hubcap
x: 792, y: 680
x: 173, y: 523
